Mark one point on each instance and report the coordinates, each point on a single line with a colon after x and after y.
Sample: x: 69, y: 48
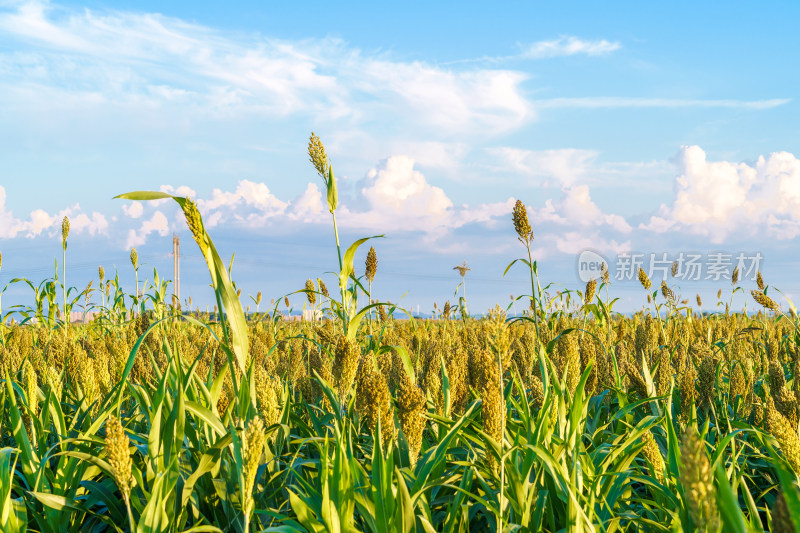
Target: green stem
x: 64, y: 283
x: 533, y: 291
x: 345, y: 310
x: 502, y: 438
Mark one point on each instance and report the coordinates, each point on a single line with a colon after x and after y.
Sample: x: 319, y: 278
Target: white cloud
x: 720, y: 198
x: 393, y: 194
x: 574, y: 242
x: 133, y: 210
x: 610, y: 102
x: 577, y: 209
x: 568, y: 46
x: 224, y: 205
x: 156, y: 224
x: 133, y: 61
x: 308, y: 207
x: 567, y: 165
x: 40, y: 221
x: 94, y: 225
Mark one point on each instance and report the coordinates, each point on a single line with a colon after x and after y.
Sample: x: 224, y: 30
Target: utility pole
x: 176, y: 265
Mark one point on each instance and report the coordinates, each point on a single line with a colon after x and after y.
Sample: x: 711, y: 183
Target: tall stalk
x: 525, y: 236
x: 64, y: 234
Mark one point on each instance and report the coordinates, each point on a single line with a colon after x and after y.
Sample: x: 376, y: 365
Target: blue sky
x: 625, y: 128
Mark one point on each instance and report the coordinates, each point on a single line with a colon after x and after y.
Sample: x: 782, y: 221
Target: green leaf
x: 333, y: 194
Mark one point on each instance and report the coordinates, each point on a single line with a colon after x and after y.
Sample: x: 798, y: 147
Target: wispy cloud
x: 569, y: 46
x: 112, y: 58
x: 605, y: 102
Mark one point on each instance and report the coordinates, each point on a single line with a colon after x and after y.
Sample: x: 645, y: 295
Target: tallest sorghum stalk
x: 64, y: 234
x: 525, y: 234
x: 318, y: 158
x: 370, y: 269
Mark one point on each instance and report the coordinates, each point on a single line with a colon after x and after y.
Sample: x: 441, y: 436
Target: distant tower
x: 176, y: 265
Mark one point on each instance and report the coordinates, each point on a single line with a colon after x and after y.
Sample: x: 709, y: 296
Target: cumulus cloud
x: 308, y: 206
x: 720, y: 198
x: 155, y: 224
x: 259, y: 202
x: 568, y: 46
x: 94, y: 225
x: 40, y: 221
x: 133, y: 210
x: 576, y: 208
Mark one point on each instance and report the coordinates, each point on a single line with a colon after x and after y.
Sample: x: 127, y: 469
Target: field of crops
x: 570, y: 418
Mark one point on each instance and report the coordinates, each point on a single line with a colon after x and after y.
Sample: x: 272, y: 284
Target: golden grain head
x: 102, y: 272
x: 371, y: 264
x: 719, y: 294
x: 64, y: 230
x: 134, y: 258
x: 462, y: 268
x: 604, y: 273
x: 286, y: 302
x: 521, y: 224
x: 317, y: 155
x: 1, y: 260
x: 195, y: 223
x: 699, y: 301
x: 765, y: 301
x: 697, y: 480
x: 735, y: 276
x: 119, y: 457
x: 644, y: 279
x: 588, y: 294
x: 258, y: 299
x: 322, y: 288
x: 253, y: 442
x: 667, y: 293
x: 674, y: 268
x: 311, y: 292
x: 760, y: 281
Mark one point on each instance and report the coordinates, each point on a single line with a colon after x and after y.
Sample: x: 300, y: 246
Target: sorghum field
x: 572, y: 417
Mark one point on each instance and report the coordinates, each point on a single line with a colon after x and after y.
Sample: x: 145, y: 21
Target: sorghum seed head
x: 588, y: 294
x: 195, y: 223
x: 371, y: 264
x: 644, y: 280
x: 667, y: 292
x: 760, y: 281
x: 521, y: 224
x: 119, y: 456
x: 765, y: 301
x: 604, y: 271
x: 317, y: 155
x: 462, y: 269
x: 258, y: 299
x: 719, y: 294
x: 134, y: 258
x: 674, y: 268
x: 735, y: 276
x: 696, y: 477
x: 286, y: 301
x: 64, y: 231
x: 102, y: 272
x: 311, y: 294
x: 322, y: 288
x: 699, y: 301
